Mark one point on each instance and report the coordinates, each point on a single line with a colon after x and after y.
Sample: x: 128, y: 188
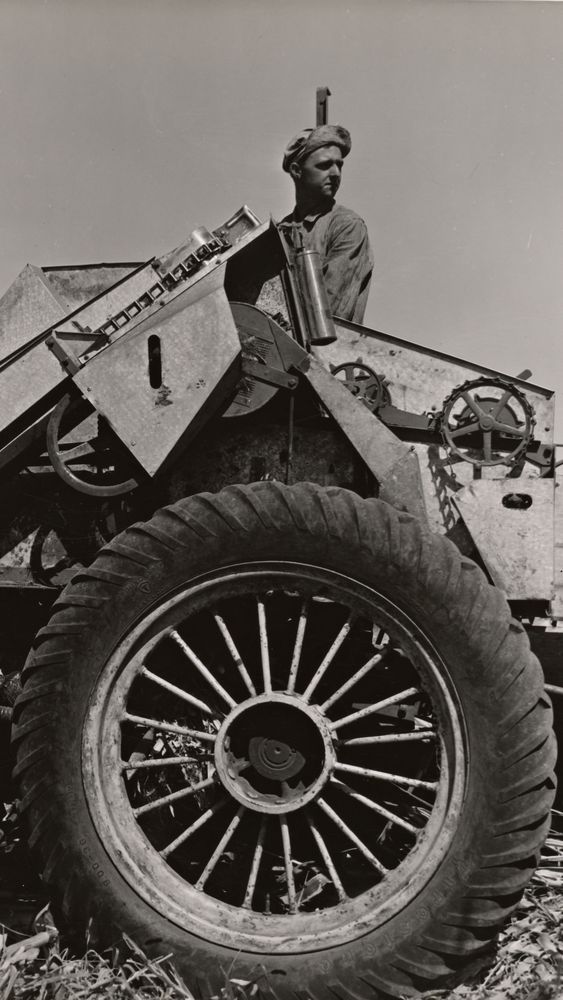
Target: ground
x: 527, y: 965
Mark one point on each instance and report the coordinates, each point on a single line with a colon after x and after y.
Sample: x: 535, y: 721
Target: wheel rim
x: 274, y: 758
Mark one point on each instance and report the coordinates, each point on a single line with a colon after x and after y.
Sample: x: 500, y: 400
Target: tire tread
x: 519, y: 815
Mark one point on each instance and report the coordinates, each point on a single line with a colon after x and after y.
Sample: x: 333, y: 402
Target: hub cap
x: 279, y: 772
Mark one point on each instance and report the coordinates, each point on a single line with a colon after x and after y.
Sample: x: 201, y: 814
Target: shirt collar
x: 311, y: 217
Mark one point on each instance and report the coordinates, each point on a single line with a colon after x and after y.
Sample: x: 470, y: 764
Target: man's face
x: 320, y: 174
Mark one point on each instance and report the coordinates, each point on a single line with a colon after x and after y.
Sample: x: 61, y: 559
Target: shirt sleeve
x: 348, y: 268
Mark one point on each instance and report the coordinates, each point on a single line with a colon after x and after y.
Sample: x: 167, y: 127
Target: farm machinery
x: 274, y: 577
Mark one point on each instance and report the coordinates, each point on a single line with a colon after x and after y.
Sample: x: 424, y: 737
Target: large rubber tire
x: 442, y: 919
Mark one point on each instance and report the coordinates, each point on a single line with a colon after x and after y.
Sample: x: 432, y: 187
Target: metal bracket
x: 64, y: 355
x: 265, y: 373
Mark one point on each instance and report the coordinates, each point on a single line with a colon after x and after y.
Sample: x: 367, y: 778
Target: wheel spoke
x: 345, y: 829
x: 325, y: 854
x: 167, y: 727
x: 264, y: 650
x: 465, y: 429
x: 426, y: 734
x: 159, y: 762
x: 178, y: 692
x: 370, y: 709
x: 182, y: 793
x: 473, y: 405
x: 518, y: 432
x: 417, y: 800
x: 201, y: 668
x: 373, y: 662
x: 370, y: 383
x: 421, y: 723
x: 392, y: 817
x: 487, y: 440
x: 210, y: 866
x: 190, y: 830
x: 396, y: 779
x: 499, y: 407
x: 256, y: 859
x: 235, y: 654
x: 328, y: 658
x: 297, y: 649
x: 286, y: 842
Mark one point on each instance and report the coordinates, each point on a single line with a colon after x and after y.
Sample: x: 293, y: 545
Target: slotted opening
x: 155, y: 361
x: 517, y: 501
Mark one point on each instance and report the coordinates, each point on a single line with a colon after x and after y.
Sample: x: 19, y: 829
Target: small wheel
x: 288, y: 736
x: 97, y: 466
x: 487, y: 422
x: 364, y: 383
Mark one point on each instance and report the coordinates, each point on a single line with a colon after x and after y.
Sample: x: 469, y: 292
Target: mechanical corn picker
x: 272, y: 575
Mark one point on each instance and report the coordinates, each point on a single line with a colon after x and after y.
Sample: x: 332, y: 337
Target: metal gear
x: 487, y: 421
x: 363, y: 383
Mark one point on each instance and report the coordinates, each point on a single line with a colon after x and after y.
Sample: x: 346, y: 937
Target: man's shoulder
x: 336, y: 211
x: 342, y: 214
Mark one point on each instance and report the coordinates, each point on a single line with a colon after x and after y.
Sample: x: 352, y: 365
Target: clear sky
x: 126, y: 123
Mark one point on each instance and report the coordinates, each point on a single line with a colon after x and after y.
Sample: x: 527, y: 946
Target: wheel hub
x: 275, y: 759
x: 273, y: 773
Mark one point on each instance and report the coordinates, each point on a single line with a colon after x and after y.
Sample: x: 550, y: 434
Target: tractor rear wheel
x: 291, y: 737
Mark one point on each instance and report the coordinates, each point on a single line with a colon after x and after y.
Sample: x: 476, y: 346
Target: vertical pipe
x: 313, y: 297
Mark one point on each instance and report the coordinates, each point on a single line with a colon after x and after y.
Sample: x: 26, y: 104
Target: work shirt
x: 341, y: 239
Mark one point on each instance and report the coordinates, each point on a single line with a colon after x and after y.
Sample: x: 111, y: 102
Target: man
x: 314, y: 160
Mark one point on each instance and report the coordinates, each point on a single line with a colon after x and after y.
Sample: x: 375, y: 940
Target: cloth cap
x: 310, y: 139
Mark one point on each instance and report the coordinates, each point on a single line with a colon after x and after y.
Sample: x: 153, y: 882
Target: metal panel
x: 25, y: 383
x: 76, y: 285
x: 28, y: 306
x: 516, y: 545
x: 199, y: 350
x: 557, y: 603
